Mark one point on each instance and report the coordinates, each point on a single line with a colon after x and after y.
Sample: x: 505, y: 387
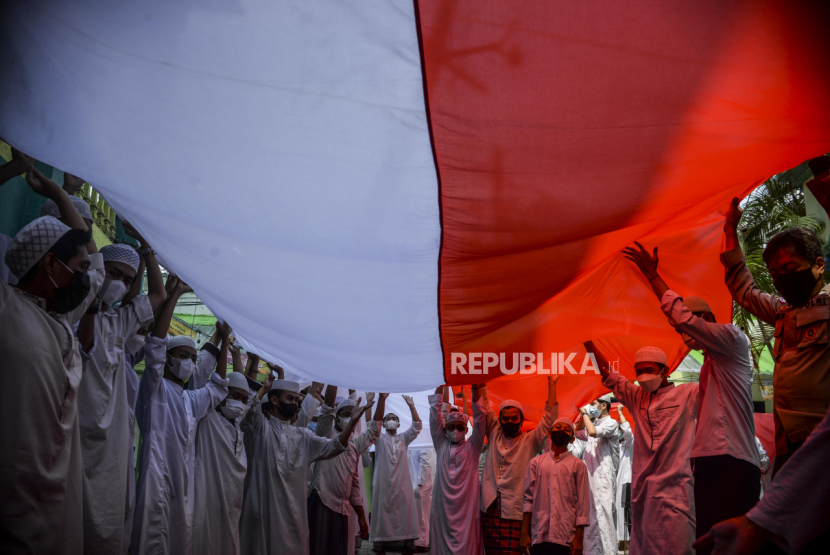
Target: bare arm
x: 17, y: 166
x: 381, y: 406
x: 236, y: 358
x: 135, y: 288
x: 589, y: 425
x: 412, y: 410
x: 602, y: 362
x: 156, y: 293
x: 647, y: 263
x: 730, y: 225
x: 44, y: 186
x: 266, y: 386
x: 331, y: 395
x: 166, y: 315
x: 357, y: 412
x: 222, y: 361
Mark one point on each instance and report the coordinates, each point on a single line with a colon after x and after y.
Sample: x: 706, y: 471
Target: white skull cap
x: 180, y: 340
x: 510, y: 403
x: 286, y: 385
x: 344, y: 403
x: 566, y: 421
x: 456, y: 417
x: 696, y: 304
x: 236, y: 379
x: 121, y: 253
x: 49, y: 208
x: 651, y: 354
x: 605, y: 398
x: 32, y: 243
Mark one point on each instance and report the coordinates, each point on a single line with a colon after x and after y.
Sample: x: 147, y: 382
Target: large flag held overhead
x: 368, y: 191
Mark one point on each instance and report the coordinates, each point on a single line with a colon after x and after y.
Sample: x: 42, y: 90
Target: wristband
x: 653, y: 277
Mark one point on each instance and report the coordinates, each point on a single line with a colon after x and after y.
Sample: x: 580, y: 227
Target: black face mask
x: 796, y: 287
x: 560, y: 438
x: 287, y: 410
x: 511, y: 429
x: 69, y: 298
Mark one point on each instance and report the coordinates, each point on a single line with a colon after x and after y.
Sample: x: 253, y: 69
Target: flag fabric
x: 369, y: 192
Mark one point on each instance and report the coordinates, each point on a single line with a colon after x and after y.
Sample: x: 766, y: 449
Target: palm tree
x: 776, y: 205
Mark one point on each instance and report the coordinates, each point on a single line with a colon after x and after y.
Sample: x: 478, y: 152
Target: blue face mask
x: 593, y: 412
x: 312, y: 426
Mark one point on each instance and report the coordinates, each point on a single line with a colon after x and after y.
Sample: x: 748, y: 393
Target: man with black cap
x: 725, y: 460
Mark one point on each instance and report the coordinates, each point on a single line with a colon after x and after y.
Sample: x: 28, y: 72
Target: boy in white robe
x: 422, y: 470
x: 455, y: 525
x: 555, y: 498
x: 623, y: 478
x: 274, y: 513
x: 59, y: 274
x: 393, y: 503
x: 602, y: 444
x: 104, y: 409
x: 167, y: 416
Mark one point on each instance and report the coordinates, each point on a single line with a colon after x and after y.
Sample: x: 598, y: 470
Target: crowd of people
x: 231, y: 464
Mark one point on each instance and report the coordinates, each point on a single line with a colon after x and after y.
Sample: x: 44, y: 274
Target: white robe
x: 624, y: 477
x: 167, y: 417
x: 40, y: 443
x: 600, y: 452
x: 106, y: 425
x: 219, y: 474
x: 455, y: 522
x: 662, y: 485
x: 274, y: 514
x: 422, y: 470
x: 393, y: 502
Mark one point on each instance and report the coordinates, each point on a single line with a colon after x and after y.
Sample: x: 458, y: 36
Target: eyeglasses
x: 453, y: 427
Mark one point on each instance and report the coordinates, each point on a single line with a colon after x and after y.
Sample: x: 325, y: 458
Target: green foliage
x: 774, y: 206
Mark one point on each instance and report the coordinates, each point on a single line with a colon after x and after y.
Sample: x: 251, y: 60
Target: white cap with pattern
x: 180, y: 340
x: 651, y: 354
x: 32, y: 243
x: 236, y: 379
x: 121, y: 253
x: 51, y: 209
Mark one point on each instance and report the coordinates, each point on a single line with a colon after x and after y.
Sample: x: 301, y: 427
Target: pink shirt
x: 556, y: 492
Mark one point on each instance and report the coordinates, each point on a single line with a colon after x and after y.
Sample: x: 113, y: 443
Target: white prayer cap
x: 344, y: 403
x: 651, y: 354
x: 696, y: 304
x: 566, y: 421
x: 605, y: 399
x: 456, y: 417
x: 51, y: 209
x: 180, y: 340
x: 32, y: 242
x: 121, y: 253
x: 236, y: 379
x: 510, y: 403
x: 286, y: 385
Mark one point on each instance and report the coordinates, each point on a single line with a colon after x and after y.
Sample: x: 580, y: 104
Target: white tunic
x: 600, y: 451
x: 167, y: 417
x: 219, y: 473
x: 422, y: 470
x: 274, y: 514
x: 624, y: 477
x: 393, y: 504
x: 455, y: 522
x: 106, y: 424
x: 41, y: 470
x: 662, y: 485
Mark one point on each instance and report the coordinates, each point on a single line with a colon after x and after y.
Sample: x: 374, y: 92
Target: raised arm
x: 602, y: 362
x: 479, y: 419
x: 586, y: 421
x: 155, y: 282
x: 135, y: 289
x: 540, y: 434
x: 357, y: 412
x: 436, y: 419
x: 413, y: 431
x: 647, y: 263
x: 166, y: 314
x: 16, y: 166
x: 222, y: 363
x: 44, y: 186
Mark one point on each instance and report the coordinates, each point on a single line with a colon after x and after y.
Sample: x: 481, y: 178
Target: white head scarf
x: 32, y: 243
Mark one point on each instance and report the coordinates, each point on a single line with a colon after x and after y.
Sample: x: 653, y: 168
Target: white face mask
x: 112, y: 291
x: 391, y: 424
x: 343, y: 421
x: 593, y: 411
x: 455, y: 436
x: 182, y: 369
x: 650, y: 382
x: 233, y: 409
x: 133, y: 344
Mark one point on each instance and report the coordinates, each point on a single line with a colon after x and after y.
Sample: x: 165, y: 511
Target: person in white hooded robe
x: 623, y: 478
x: 104, y: 408
x: 602, y: 444
x: 167, y: 416
x: 455, y: 522
x: 220, y: 471
x: 393, y: 503
x: 422, y: 470
x: 274, y: 513
x: 335, y: 486
x: 59, y: 274
x: 662, y: 485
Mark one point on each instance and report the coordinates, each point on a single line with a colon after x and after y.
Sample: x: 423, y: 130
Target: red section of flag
x: 564, y: 131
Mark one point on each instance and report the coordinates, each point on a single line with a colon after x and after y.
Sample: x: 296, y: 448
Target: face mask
x: 343, y: 422
x: 560, y: 438
x: 69, y: 298
x: 233, y: 409
x: 511, y: 429
x: 455, y: 436
x: 182, y: 369
x: 287, y: 410
x: 133, y: 344
x: 593, y: 411
x: 312, y: 426
x: 796, y: 287
x: 112, y: 291
x: 650, y: 382
x: 391, y: 424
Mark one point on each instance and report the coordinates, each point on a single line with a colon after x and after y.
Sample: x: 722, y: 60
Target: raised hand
x: 409, y: 401
x: 370, y: 397
x: 269, y: 380
x: 224, y: 329
x: 620, y: 409
x: 71, y: 183
x: 647, y: 263
x: 278, y: 369
x: 733, y: 215
x: 42, y: 185
x: 315, y: 390
x: 182, y: 287
x: 22, y: 160
x: 133, y: 232
x: 383, y: 396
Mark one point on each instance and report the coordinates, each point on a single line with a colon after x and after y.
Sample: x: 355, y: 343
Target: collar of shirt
x: 562, y: 456
x: 39, y: 301
x: 664, y: 390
